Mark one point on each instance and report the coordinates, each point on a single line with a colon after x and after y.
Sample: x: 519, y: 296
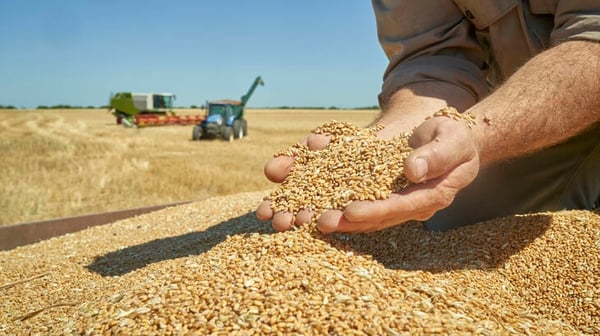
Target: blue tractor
x: 225, y: 118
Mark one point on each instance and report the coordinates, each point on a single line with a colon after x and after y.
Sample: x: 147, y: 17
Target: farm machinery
x: 225, y: 118
x: 148, y: 109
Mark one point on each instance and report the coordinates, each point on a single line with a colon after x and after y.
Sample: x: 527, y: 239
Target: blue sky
x: 76, y: 52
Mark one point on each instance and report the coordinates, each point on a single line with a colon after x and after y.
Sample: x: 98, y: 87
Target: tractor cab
x: 218, y: 113
x: 222, y: 112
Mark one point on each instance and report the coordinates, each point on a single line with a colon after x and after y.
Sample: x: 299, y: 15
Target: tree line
x: 45, y: 107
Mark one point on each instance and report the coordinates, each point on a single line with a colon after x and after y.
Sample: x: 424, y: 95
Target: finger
x: 416, y: 203
x: 282, y: 221
x: 264, y: 211
x: 364, y: 211
x: 329, y: 221
x: 413, y: 203
x: 336, y: 221
x: 317, y: 141
x: 278, y: 168
x: 422, y: 135
x: 303, y: 217
x: 437, y: 158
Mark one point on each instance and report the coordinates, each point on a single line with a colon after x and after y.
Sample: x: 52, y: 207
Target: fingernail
x: 420, y: 169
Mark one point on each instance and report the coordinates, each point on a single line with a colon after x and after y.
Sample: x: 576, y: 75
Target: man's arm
x: 405, y: 110
x: 551, y: 98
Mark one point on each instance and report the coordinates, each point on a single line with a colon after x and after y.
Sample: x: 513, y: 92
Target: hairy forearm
x: 553, y: 97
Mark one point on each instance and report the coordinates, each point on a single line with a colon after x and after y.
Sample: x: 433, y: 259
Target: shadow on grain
x: 135, y: 257
x: 486, y: 245
x: 410, y: 246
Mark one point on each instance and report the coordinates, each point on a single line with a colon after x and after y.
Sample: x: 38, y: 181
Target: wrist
x: 481, y: 133
x: 408, y: 107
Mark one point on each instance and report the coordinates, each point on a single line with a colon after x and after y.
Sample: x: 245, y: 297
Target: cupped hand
x: 445, y: 159
x: 276, y: 170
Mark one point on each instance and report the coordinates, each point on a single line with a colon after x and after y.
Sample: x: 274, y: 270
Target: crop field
x: 210, y: 267
x: 60, y: 163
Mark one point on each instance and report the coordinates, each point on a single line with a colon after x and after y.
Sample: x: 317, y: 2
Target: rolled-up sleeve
x: 428, y: 40
x: 576, y: 20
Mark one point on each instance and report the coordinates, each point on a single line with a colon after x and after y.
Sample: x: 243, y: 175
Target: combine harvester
x: 225, y: 118
x: 148, y: 109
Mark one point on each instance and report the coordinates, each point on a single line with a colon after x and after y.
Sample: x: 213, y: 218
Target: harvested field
x: 59, y: 163
x: 210, y: 267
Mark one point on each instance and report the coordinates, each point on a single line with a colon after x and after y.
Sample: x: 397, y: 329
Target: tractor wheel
x: 245, y: 127
x: 197, y: 133
x: 238, y: 132
x: 228, y: 133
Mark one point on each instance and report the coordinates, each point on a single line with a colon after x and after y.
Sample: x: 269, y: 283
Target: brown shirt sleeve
x: 435, y: 40
x: 428, y: 40
x: 513, y: 31
x: 573, y: 19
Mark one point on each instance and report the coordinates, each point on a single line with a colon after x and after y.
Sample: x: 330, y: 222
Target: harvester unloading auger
x: 225, y: 118
x: 148, y: 109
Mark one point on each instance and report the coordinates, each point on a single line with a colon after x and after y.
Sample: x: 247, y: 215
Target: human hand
x: 444, y: 161
x: 276, y: 170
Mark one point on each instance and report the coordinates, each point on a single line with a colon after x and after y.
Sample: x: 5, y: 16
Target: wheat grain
x: 356, y: 165
x: 211, y: 268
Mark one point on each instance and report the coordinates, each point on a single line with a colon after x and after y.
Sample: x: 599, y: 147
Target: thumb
x: 316, y: 141
x: 437, y: 158
x: 416, y: 169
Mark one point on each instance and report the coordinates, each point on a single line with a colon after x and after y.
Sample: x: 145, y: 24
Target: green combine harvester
x: 225, y: 118
x: 147, y: 109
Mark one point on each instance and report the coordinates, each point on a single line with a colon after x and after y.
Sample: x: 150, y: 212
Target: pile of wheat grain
x: 211, y: 268
x: 355, y: 165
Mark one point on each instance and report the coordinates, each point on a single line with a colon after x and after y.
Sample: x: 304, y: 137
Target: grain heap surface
x: 355, y: 165
x: 211, y: 267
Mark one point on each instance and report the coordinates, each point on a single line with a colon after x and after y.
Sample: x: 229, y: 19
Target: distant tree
x: 42, y: 107
x: 7, y: 107
x: 373, y: 107
x: 90, y: 107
